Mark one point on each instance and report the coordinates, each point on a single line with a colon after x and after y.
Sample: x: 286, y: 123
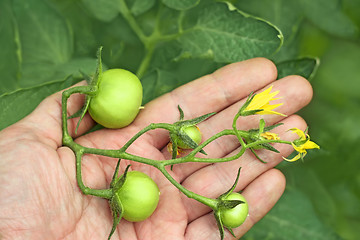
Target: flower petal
x: 261, y: 101
x: 310, y: 145
x: 297, y: 157
x: 299, y: 149
x: 300, y: 133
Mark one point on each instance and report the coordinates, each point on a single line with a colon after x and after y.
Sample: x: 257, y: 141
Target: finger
x: 46, y: 119
x: 294, y: 92
x: 261, y: 194
x: 213, y: 180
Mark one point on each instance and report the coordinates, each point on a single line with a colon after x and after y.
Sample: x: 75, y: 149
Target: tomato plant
x: 194, y: 133
x: 139, y: 196
x: 234, y: 217
x: 118, y: 99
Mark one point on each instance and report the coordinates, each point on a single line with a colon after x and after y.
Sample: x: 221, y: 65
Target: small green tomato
x: 118, y: 99
x: 139, y: 196
x: 234, y: 217
x: 194, y: 133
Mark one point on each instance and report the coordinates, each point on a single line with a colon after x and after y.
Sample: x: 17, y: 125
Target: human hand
x: 39, y: 197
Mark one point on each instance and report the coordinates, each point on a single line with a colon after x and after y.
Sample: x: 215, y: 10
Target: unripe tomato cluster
x: 115, y: 105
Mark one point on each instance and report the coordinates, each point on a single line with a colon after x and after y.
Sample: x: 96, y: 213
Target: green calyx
x: 116, y: 206
x: 185, y: 134
x: 93, y: 84
x: 224, y: 204
x: 256, y: 137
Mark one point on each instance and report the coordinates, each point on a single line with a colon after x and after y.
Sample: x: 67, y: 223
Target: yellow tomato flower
x: 270, y: 136
x: 301, y: 145
x: 262, y: 101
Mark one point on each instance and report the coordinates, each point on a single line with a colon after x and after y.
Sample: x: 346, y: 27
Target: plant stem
x: 237, y: 133
x: 124, y: 10
x: 212, y: 203
x: 146, y: 60
x: 152, y: 126
x: 103, y: 193
x: 65, y: 96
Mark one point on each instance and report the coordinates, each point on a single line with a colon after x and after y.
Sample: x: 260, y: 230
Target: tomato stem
x: 124, y: 10
x: 212, y: 203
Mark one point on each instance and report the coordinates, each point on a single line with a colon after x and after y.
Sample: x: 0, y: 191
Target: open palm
x: 39, y: 196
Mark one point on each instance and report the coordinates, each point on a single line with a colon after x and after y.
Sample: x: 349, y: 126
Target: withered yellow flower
x: 270, y: 136
x: 262, y: 101
x: 301, y: 145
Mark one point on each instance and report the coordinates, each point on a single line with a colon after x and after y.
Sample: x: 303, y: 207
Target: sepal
x: 243, y: 112
x: 226, y: 204
x: 260, y: 134
x: 116, y: 206
x: 178, y: 132
x: 217, y: 215
x: 93, y: 83
x: 224, y: 195
x: 117, y: 211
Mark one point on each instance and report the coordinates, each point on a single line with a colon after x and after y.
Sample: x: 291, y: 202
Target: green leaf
x: 85, y: 28
x: 40, y: 72
x: 9, y: 59
x: 292, y: 218
x: 312, y: 40
x: 16, y: 105
x: 75, y: 67
x: 328, y: 15
x: 305, y: 67
x: 45, y: 40
x: 181, y: 4
x: 44, y: 34
x: 304, y: 178
x: 138, y: 7
x: 157, y: 83
x: 347, y: 200
x: 104, y: 10
x: 121, y: 46
x: 285, y: 14
x: 225, y: 34
x: 351, y: 8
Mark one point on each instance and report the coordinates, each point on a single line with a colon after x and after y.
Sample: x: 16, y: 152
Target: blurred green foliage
x: 46, y: 43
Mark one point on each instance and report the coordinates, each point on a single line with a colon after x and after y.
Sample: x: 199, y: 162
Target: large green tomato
x: 139, y: 196
x: 234, y: 217
x: 194, y: 133
x: 118, y: 100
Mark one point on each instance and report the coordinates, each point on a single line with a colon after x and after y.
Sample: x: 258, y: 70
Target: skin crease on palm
x: 39, y: 196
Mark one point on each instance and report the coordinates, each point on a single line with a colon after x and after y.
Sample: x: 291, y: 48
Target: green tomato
x: 139, y: 196
x: 118, y: 99
x: 234, y: 217
x: 194, y: 133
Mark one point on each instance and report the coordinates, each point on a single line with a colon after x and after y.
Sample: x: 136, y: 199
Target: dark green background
x: 46, y: 42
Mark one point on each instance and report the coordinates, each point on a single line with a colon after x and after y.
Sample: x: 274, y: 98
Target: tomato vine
x: 259, y: 138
